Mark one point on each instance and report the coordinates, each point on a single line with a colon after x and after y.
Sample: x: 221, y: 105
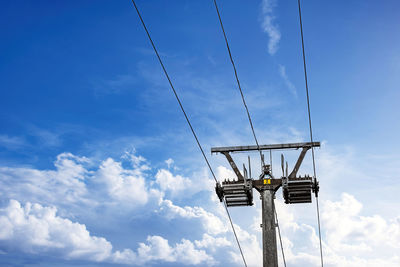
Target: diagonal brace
x: 233, y: 165
x: 299, y: 161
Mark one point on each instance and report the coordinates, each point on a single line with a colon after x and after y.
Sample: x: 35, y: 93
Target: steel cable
x: 310, y: 126
x: 237, y: 80
x: 279, y: 233
x: 249, y: 118
x: 188, y: 121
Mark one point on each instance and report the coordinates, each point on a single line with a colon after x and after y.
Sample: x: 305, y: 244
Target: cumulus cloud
x: 350, y: 238
x: 175, y: 184
x: 37, y: 229
x: 34, y: 229
x: 124, y: 185
x: 158, y: 248
x: 225, y: 173
x: 64, y: 185
x: 77, y: 182
x: 179, y: 186
x: 269, y: 26
x: 251, y: 248
x: 211, y: 223
x: 356, y: 237
x: 211, y: 242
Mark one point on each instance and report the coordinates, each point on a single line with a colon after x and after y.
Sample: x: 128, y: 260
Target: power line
x: 250, y: 121
x: 310, y: 126
x: 190, y: 125
x: 173, y: 89
x: 237, y: 80
x: 234, y: 232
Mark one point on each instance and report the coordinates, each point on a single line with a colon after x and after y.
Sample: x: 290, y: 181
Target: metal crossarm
x: 265, y: 147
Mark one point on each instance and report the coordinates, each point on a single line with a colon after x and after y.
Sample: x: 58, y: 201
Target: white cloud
x: 269, y: 26
x: 185, y: 252
x: 175, y: 184
x: 211, y: 223
x: 212, y: 243
x: 37, y: 229
x: 124, y: 185
x: 288, y: 83
x: 65, y: 185
x: 77, y: 184
x: 350, y: 234
x: 77, y: 181
x: 115, y: 85
x: 224, y: 173
x: 11, y: 142
x: 169, y: 162
x: 137, y: 162
x: 183, y: 187
x: 45, y: 137
x: 349, y: 239
x: 251, y: 248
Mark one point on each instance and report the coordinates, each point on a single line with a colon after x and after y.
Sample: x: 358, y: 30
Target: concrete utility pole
x: 270, y: 256
x: 240, y: 192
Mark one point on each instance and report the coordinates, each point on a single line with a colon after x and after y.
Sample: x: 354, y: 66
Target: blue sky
x: 98, y: 166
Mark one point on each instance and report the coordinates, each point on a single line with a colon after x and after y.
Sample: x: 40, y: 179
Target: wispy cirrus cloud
x: 115, y: 85
x: 269, y: 26
x: 288, y: 83
x: 11, y: 142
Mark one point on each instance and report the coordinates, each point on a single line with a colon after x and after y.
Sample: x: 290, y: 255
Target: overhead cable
x: 188, y: 121
x: 279, y: 233
x: 237, y: 80
x: 310, y: 127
